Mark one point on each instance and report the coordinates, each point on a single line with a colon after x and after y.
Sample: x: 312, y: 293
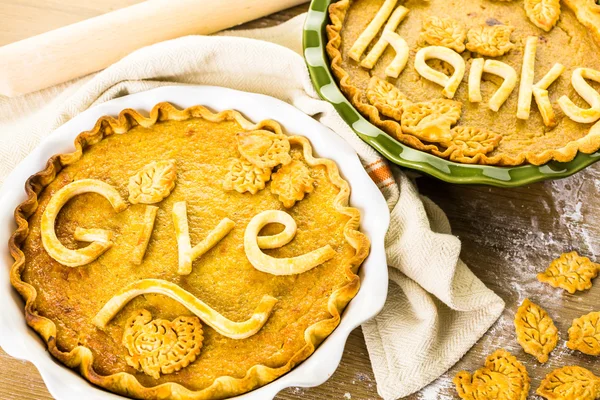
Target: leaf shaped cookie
x: 471, y: 141
x: 501, y: 377
x: 570, y: 383
x: 570, y: 272
x: 446, y: 32
x: 245, y: 177
x: 491, y: 41
x: 584, y: 334
x: 387, y: 98
x: 152, y: 183
x: 160, y: 346
x: 543, y: 13
x: 291, y: 182
x: 431, y: 120
x: 263, y: 148
x: 535, y: 330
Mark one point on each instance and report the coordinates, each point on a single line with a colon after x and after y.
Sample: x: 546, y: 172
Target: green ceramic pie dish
x: 314, y: 41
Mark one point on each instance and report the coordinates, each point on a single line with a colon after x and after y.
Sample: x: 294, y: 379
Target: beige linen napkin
x: 436, y: 308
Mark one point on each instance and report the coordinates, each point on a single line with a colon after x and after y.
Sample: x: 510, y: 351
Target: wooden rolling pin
x: 94, y: 44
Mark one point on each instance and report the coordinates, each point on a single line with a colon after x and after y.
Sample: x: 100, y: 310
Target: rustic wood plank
x: 508, y: 236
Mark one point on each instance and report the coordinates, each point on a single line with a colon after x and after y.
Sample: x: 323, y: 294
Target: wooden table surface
x: 508, y: 236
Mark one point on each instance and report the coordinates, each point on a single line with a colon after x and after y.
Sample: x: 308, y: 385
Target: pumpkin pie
x: 478, y: 82
x: 186, y: 254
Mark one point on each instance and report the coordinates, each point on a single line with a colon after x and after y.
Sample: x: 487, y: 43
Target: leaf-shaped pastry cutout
x: 447, y: 32
x: 501, y: 377
x: 543, y: 13
x: 491, y: 41
x: 152, y: 183
x: 535, y: 330
x: 570, y: 383
x: 431, y: 120
x: 243, y: 176
x: 161, y: 346
x: 584, y: 334
x: 570, y: 272
x: 472, y: 141
x: 291, y: 182
x: 387, y: 98
x: 263, y: 148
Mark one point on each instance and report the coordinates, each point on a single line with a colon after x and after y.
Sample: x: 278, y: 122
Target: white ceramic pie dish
x: 19, y: 341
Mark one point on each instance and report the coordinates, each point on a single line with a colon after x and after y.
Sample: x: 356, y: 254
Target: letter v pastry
x: 187, y: 253
x: 101, y: 240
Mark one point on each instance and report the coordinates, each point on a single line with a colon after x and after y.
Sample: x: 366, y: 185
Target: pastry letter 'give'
x: 144, y: 230
x: 226, y: 327
x: 101, y: 238
x: 187, y: 253
x: 451, y: 57
x: 279, y: 266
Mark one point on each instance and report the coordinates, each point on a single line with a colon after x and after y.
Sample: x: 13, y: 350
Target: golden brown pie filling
x: 188, y: 184
x: 476, y: 81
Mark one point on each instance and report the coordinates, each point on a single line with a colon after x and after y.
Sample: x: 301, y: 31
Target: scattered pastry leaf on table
x: 570, y: 383
x: 570, y: 272
x: 536, y: 331
x: 584, y: 334
x: 501, y: 377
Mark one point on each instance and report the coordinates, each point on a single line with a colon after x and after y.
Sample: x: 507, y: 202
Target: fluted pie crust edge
x: 587, y: 12
x: 81, y: 357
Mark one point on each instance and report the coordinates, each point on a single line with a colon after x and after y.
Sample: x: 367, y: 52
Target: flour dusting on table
x: 524, y: 231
